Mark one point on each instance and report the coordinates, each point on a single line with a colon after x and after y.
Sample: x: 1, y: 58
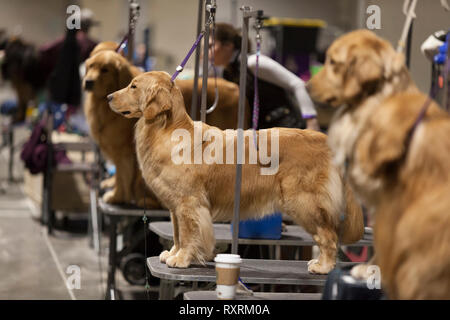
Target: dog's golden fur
x: 306, y: 186
x: 404, y: 181
x: 115, y: 134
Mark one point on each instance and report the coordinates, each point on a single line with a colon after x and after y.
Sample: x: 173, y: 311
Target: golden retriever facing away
x: 106, y: 72
x: 226, y: 114
x: 304, y: 184
x: 400, y: 171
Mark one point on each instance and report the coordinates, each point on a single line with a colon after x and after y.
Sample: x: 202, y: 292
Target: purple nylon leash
x: 122, y: 44
x: 255, y: 116
x: 183, y: 63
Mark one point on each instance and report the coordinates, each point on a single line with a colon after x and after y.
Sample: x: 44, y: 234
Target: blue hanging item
x: 57, y: 109
x: 441, y: 57
x: 268, y: 227
x: 8, y: 107
x: 111, y: 169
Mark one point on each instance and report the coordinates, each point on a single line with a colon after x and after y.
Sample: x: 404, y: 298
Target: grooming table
x: 211, y: 295
x: 261, y: 271
x: 115, y: 214
x: 293, y: 235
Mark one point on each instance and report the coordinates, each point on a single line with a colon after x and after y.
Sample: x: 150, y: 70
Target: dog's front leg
x: 125, y: 178
x: 108, y: 183
x: 196, y: 236
x: 176, y: 240
x: 326, y: 240
x: 362, y: 271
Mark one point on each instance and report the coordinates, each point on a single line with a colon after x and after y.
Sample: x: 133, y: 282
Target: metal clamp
x: 135, y: 12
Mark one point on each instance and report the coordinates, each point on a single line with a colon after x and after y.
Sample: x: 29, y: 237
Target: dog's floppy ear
x: 384, y: 144
x: 364, y: 67
x: 124, y: 72
x: 158, y: 101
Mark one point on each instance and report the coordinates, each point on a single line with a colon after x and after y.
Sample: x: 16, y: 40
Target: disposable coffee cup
x: 227, y: 272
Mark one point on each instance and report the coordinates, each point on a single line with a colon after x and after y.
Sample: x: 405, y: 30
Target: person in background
x: 50, y: 52
x: 283, y: 99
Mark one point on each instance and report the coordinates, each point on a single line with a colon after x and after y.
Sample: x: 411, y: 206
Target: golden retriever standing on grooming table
x: 305, y: 185
x: 108, y: 71
x: 400, y: 171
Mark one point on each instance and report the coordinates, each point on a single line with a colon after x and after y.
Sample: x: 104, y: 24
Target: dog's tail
x: 351, y: 228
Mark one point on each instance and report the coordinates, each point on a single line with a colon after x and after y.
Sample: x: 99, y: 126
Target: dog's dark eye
x: 133, y: 86
x: 332, y: 62
x: 103, y: 70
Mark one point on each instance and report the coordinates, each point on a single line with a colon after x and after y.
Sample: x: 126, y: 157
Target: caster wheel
x: 133, y: 268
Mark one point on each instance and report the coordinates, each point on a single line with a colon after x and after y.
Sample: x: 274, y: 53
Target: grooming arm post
x: 194, y: 102
x: 205, y: 62
x: 134, y: 13
x: 409, y: 11
x: 246, y: 14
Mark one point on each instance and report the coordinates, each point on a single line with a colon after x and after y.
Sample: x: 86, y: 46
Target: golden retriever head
x: 105, y: 45
x: 106, y: 72
x: 148, y: 95
x: 357, y: 64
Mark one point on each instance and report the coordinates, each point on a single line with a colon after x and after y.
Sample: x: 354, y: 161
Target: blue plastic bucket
x: 268, y: 227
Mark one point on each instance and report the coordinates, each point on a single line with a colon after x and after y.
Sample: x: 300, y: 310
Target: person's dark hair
x: 226, y: 33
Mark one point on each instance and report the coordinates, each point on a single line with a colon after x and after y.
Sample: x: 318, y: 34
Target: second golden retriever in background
x: 305, y: 185
x: 400, y: 170
x: 106, y: 72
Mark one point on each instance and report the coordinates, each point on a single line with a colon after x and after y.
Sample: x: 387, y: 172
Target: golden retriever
x: 401, y: 172
x: 106, y: 72
x: 304, y: 185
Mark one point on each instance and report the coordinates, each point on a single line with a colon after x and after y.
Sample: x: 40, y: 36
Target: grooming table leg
x: 166, y: 289
x: 111, y: 282
x: 11, y: 153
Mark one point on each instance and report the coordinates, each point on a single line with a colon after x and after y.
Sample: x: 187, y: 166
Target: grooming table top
x: 293, y: 236
x: 130, y: 210
x: 252, y: 271
x: 211, y: 295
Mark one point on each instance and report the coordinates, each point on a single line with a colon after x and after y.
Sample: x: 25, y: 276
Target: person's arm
x: 273, y: 72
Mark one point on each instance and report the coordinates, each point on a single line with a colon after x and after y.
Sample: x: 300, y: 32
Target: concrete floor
x: 34, y: 265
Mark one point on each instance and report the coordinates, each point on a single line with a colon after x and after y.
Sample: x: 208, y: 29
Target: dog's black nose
x: 109, y: 97
x: 88, y: 84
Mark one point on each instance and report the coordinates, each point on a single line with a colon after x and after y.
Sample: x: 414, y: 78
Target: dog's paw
x: 163, y: 256
x: 180, y: 260
x: 108, y: 183
x: 111, y: 197
x: 360, y: 271
x: 314, y: 266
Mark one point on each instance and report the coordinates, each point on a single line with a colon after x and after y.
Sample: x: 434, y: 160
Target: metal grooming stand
x: 209, y: 8
x: 134, y: 13
x: 247, y: 13
x: 197, y: 64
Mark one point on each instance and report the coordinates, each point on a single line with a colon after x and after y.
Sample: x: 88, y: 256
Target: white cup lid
x: 228, y: 258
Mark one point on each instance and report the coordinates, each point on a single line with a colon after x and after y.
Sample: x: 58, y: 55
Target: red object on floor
x: 358, y: 258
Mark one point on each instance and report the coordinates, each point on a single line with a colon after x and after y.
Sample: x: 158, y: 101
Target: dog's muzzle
x: 88, y: 85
